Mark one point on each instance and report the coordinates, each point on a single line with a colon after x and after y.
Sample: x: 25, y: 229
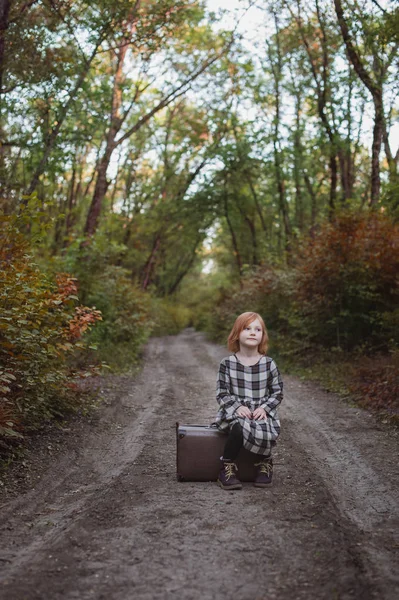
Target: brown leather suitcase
x: 199, y: 448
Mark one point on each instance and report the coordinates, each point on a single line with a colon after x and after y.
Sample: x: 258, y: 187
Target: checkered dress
x: 254, y: 386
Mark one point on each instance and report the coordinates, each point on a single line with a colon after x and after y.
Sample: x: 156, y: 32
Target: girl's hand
x: 243, y: 411
x: 259, y: 413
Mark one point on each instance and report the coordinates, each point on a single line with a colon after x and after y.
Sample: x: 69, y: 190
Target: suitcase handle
x: 213, y: 425
x: 181, y: 434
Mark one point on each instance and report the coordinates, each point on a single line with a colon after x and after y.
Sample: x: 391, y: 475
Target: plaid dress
x: 254, y: 386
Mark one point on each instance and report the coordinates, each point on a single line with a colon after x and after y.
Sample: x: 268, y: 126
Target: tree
x: 374, y: 81
x: 120, y: 129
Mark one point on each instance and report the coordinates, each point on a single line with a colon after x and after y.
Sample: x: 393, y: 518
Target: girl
x: 249, y: 389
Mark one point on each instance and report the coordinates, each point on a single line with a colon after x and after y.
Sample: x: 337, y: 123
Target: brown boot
x: 227, y: 478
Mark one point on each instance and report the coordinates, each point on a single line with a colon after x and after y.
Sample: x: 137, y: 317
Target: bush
x: 346, y: 285
x: 265, y: 291
x: 41, y: 326
x: 169, y: 317
x: 342, y: 292
x: 125, y: 308
x: 332, y: 315
x: 126, y: 323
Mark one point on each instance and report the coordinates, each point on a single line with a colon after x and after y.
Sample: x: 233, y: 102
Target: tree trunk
x: 73, y: 195
x: 114, y: 127
x: 299, y: 217
x: 348, y: 158
x: 313, y: 196
x: 256, y: 200
x: 116, y: 124
x: 376, y: 149
x: 186, y: 269
x: 63, y: 226
x: 392, y: 160
x: 321, y: 92
x: 334, y: 179
x: 150, y: 262
x: 376, y: 90
x: 99, y: 193
x: 236, y: 250
x: 281, y: 195
x: 252, y: 230
x: 5, y: 6
x: 277, y: 73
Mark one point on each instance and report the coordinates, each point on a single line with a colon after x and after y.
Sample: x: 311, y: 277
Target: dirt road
x: 108, y: 520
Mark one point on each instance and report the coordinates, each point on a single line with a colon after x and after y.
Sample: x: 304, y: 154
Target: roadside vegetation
x: 161, y: 168
x: 332, y: 313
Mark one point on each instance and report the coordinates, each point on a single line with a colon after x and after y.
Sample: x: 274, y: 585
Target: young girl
x: 249, y: 390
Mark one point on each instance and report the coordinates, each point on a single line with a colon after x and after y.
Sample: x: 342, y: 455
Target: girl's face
x: 251, y: 335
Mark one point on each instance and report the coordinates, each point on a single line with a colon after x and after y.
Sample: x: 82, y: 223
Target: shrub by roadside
x: 333, y: 312
x: 370, y: 382
x: 42, y: 325
x: 346, y: 289
x: 126, y: 309
x: 127, y: 320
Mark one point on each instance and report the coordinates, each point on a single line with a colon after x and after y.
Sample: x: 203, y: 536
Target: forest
x: 169, y: 164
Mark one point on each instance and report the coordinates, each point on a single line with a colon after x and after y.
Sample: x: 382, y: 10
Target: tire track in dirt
x: 76, y: 482
x: 123, y: 527
x: 358, y: 461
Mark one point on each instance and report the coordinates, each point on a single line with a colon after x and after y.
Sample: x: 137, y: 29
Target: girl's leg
x: 233, y: 443
x: 227, y: 478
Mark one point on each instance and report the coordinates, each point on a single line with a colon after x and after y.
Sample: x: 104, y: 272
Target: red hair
x: 241, y: 322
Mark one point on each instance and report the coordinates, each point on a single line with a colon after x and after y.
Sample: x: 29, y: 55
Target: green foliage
x: 265, y: 291
x: 169, y: 316
x: 201, y: 293
x: 127, y: 322
x: 125, y: 308
x: 41, y: 326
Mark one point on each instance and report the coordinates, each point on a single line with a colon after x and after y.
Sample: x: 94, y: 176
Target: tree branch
x: 352, y: 53
x: 173, y: 95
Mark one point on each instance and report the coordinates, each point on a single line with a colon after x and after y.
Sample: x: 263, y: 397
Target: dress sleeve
x: 275, y: 391
x: 227, y: 401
